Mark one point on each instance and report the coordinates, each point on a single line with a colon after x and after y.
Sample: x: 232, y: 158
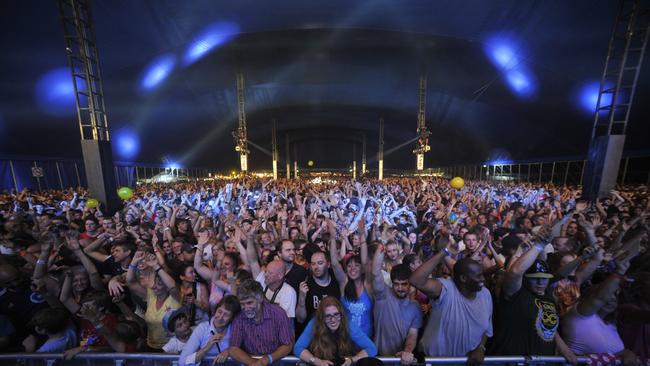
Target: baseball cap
x: 171, y: 316
x: 539, y: 269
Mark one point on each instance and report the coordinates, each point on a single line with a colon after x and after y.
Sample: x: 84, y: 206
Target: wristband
x: 446, y: 251
x: 270, y: 358
x: 133, y: 266
x: 157, y: 270
x: 41, y: 261
x: 540, y: 246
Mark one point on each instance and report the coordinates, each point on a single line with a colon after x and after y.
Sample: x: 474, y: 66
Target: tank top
x: 360, y: 312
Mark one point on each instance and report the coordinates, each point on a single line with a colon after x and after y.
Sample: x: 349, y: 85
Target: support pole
x: 354, y: 161
x: 295, y: 161
x: 241, y: 135
x: 552, y: 172
x: 58, y: 173
x: 380, y: 153
x: 288, y: 154
x: 363, y: 157
x: 274, y: 148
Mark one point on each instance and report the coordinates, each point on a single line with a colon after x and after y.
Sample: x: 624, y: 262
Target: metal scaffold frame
x: 422, y: 145
x: 241, y: 140
x: 83, y: 59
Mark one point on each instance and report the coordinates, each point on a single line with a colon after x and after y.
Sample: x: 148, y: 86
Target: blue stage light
x: 54, y: 92
x: 499, y: 156
x: 157, y: 71
x: 588, y: 96
x: 127, y: 143
x: 521, y: 81
x: 502, y: 50
x: 208, y: 39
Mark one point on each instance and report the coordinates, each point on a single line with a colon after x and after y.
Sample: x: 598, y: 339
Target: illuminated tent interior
x: 507, y: 80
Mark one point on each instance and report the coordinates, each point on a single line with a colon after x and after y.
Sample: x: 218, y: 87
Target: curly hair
x: 567, y: 294
x: 326, y: 343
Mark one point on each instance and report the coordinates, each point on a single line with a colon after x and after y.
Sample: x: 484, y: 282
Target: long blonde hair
x: 324, y: 344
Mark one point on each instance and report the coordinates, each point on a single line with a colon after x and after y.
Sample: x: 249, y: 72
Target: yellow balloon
x: 92, y: 203
x: 310, y: 163
x: 457, y: 183
x: 125, y: 193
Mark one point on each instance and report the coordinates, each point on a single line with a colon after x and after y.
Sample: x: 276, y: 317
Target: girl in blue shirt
x: 330, y: 340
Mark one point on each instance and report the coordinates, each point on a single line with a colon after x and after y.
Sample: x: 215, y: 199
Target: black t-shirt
x: 525, y: 324
x: 109, y: 267
x: 316, y: 293
x: 20, y: 305
x: 295, y: 276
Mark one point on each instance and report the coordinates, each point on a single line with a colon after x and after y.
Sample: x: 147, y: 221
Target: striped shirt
x: 258, y: 339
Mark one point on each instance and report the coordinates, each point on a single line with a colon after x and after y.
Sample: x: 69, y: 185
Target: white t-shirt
x: 174, y: 345
x: 456, y: 323
x: 286, y: 296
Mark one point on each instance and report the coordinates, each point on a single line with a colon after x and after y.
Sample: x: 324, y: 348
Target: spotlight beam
x: 392, y: 150
x: 258, y: 147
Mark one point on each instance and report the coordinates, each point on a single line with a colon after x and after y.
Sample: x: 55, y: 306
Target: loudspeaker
x: 601, y: 170
x: 100, y: 172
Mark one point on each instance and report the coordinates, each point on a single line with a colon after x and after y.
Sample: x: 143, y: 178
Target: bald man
x: 276, y: 290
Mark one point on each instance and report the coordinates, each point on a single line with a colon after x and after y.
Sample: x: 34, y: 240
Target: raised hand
x: 138, y: 257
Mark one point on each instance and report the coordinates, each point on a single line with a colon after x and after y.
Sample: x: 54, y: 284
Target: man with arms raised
x: 461, y: 315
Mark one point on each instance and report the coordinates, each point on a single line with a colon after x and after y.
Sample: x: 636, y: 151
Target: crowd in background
x: 335, y: 272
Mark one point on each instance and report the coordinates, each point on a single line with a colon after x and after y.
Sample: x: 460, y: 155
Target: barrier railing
x: 124, y: 359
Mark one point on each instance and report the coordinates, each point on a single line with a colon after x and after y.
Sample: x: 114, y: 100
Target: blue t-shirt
x: 57, y: 345
x: 360, y: 312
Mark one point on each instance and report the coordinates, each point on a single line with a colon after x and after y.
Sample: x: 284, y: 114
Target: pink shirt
x: 589, y: 334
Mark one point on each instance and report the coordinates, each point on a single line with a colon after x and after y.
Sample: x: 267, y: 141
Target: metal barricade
x: 158, y: 359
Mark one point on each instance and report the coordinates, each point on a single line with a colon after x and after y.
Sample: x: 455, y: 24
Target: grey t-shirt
x: 393, y: 319
x: 456, y: 323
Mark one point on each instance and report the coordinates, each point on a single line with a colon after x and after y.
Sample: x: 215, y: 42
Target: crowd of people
x: 334, y: 272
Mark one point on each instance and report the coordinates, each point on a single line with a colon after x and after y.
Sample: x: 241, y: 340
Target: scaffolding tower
x: 617, y: 88
x: 241, y: 140
x: 83, y: 59
x: 422, y: 145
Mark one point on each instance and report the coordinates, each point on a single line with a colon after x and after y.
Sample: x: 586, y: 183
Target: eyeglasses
x: 335, y: 316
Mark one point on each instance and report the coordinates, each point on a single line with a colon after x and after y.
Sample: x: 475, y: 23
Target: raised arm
x: 168, y: 280
x: 420, y: 278
x: 378, y: 285
x: 131, y: 281
x: 513, y: 278
x: 201, y: 269
x: 92, y: 248
x: 72, y: 242
x: 339, y: 273
x: 251, y: 255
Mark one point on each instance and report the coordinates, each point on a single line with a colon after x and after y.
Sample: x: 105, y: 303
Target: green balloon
x: 125, y: 193
x: 92, y: 203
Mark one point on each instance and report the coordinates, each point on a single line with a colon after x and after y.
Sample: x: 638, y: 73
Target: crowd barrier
x: 156, y: 359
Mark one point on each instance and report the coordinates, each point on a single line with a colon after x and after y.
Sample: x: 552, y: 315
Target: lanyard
x: 275, y: 293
